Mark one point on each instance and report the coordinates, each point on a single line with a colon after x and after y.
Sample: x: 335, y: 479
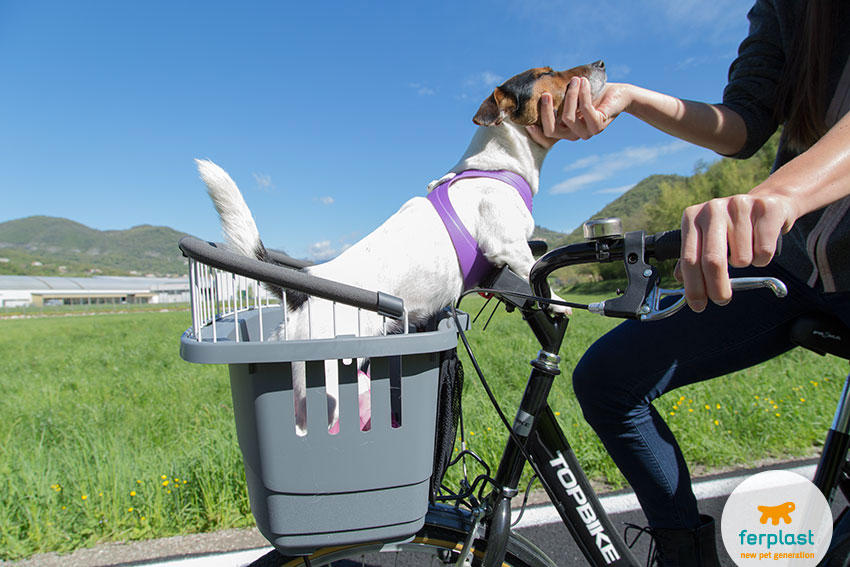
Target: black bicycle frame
x: 537, y: 436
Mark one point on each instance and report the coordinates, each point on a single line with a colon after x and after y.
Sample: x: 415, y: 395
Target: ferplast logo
x: 776, y: 517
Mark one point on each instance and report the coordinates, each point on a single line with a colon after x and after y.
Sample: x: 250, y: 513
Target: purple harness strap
x: 473, y: 264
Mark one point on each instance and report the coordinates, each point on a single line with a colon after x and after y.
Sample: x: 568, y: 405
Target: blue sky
x: 329, y: 115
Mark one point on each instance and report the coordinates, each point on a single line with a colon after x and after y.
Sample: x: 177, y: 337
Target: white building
x: 19, y: 291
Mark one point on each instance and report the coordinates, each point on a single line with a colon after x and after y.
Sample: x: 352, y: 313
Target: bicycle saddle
x: 822, y: 333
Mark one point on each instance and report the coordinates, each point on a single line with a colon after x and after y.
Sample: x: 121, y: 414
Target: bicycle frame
x: 536, y: 433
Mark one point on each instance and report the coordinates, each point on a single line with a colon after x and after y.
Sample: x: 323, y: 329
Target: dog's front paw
x: 559, y: 309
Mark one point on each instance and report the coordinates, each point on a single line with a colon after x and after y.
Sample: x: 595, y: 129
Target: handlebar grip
x: 667, y: 245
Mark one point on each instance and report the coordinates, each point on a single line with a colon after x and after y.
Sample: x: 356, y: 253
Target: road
x: 541, y: 524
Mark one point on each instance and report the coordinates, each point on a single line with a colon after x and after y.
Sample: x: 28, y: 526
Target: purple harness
x: 473, y: 264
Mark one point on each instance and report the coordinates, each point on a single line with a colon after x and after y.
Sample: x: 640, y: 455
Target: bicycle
x: 472, y: 524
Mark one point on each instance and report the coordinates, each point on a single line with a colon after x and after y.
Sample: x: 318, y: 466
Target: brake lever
x: 652, y: 311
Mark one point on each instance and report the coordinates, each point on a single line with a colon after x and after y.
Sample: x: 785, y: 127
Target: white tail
x: 237, y: 224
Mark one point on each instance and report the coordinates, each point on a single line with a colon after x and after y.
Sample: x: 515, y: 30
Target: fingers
x: 578, y: 109
x: 578, y: 120
x: 689, y: 269
x: 736, y: 231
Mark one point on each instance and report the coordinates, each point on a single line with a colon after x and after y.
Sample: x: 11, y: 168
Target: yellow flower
x: 132, y: 493
x: 716, y: 422
x: 163, y: 477
x: 707, y: 406
x: 557, y: 413
x: 718, y: 406
x: 164, y: 483
x: 802, y: 399
x: 672, y: 413
x: 690, y: 410
x: 777, y: 415
x: 84, y: 497
x: 130, y: 509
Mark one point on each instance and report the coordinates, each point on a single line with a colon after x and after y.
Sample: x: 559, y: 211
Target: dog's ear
x: 496, y: 108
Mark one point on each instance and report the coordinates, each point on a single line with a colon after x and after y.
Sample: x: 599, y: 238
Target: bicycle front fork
x: 830, y: 472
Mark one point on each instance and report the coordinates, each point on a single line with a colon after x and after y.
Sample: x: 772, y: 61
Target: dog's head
x: 518, y: 98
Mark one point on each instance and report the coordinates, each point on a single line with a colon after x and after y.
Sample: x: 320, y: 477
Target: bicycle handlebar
x: 661, y: 246
x: 642, y: 297
x: 286, y: 273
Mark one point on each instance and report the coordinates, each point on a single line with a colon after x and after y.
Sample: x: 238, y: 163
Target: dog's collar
x: 473, y: 264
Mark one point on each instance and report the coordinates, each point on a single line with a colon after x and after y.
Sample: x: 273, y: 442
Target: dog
x: 411, y: 255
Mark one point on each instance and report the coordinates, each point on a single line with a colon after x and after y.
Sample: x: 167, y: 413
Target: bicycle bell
x: 597, y: 229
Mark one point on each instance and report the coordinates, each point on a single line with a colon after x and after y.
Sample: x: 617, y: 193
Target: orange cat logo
x: 776, y: 513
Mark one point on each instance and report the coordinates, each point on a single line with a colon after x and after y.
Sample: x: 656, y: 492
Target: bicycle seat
x: 822, y: 333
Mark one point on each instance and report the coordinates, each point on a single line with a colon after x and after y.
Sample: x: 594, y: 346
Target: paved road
x: 541, y: 524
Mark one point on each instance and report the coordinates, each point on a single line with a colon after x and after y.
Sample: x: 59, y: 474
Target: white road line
x: 536, y: 516
x: 626, y: 502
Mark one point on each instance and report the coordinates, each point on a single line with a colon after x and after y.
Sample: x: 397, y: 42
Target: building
x: 38, y: 291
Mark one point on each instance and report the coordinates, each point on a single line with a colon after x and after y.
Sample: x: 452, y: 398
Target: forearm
x: 715, y: 127
x: 815, y: 178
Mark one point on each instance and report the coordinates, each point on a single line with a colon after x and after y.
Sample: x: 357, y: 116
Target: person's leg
x: 636, y: 362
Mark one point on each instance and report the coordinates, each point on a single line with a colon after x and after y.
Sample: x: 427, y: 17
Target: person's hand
x: 580, y: 118
x: 738, y: 231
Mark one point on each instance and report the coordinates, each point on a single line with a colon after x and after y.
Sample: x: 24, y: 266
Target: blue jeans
x: 637, y: 362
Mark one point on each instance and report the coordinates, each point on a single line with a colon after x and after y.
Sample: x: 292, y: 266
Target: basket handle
x: 288, y: 276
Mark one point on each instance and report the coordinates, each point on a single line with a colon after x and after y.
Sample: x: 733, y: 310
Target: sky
x: 328, y: 115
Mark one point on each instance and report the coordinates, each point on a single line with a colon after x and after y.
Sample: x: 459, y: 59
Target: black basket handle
x: 288, y: 276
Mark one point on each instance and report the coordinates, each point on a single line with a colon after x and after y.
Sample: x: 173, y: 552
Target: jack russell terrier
x: 475, y: 217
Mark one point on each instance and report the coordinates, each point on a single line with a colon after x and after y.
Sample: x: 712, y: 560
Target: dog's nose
x: 599, y: 65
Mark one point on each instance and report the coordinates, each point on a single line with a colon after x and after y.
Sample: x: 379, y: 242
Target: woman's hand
x: 580, y: 118
x: 737, y: 231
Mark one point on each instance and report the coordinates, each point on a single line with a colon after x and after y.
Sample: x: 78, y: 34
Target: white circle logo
x: 776, y: 517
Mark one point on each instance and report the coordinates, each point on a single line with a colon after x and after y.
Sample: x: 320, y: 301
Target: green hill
x: 42, y: 245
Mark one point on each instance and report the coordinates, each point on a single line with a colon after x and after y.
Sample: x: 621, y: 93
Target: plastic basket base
x: 389, y: 514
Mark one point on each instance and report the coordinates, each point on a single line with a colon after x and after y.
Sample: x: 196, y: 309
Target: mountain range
x: 50, y: 246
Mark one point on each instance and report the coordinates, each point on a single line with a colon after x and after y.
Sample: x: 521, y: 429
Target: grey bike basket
x: 318, y: 490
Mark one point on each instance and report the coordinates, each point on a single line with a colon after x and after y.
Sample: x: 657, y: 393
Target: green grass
x: 106, y: 434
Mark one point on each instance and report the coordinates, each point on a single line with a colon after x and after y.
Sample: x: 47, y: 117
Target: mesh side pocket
x: 448, y: 413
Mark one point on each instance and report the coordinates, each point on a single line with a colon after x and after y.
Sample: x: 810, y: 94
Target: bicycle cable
x: 526, y: 296
x: 487, y: 389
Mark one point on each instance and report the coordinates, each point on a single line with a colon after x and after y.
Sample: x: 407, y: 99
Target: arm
x: 749, y: 224
x: 711, y: 126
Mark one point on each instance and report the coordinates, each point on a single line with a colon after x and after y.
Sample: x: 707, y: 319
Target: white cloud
x: 323, y: 251
x: 422, y: 89
x: 325, y: 200
x: 264, y: 181
x: 601, y: 167
x: 483, y: 80
x: 615, y: 190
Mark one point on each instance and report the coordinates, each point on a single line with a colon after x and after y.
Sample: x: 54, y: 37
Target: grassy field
x: 106, y: 434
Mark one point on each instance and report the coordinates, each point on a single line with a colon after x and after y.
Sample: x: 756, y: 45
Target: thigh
x: 638, y: 361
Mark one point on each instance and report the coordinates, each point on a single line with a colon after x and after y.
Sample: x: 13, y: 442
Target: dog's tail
x: 237, y: 222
